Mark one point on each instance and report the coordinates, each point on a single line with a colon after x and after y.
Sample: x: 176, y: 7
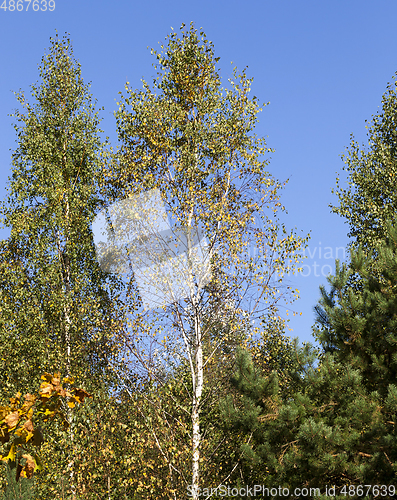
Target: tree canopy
x: 174, y: 333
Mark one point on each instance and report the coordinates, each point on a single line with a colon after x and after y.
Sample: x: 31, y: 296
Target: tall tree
x: 57, y: 310
x: 362, y: 328
x: 191, y: 142
x: 338, y: 426
x: 370, y: 198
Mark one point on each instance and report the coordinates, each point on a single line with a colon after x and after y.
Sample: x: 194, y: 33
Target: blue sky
x: 323, y: 65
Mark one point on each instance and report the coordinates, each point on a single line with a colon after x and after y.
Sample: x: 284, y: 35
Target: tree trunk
x: 198, y: 375
x: 198, y: 390
x: 65, y: 267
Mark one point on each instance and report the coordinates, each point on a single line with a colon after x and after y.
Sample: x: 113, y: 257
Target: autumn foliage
x: 20, y: 432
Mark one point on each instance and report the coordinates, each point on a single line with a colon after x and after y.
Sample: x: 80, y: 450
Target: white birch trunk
x: 65, y: 267
x: 68, y: 347
x: 197, y: 372
x: 197, y: 393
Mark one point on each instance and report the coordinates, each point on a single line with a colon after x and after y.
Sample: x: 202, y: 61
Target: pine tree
x: 23, y: 489
x: 362, y: 328
x: 338, y: 427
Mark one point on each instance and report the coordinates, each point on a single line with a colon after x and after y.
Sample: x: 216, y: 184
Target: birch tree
x: 56, y: 306
x: 189, y: 142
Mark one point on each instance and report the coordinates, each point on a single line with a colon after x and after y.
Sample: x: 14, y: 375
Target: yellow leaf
x: 56, y: 379
x: 11, y: 455
x: 47, y: 377
x: 4, y: 411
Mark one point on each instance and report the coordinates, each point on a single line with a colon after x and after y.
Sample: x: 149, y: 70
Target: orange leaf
x: 29, y: 402
x: 56, y: 379
x: 28, y: 425
x: 46, y: 390
x: 29, y: 467
x: 12, y: 419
